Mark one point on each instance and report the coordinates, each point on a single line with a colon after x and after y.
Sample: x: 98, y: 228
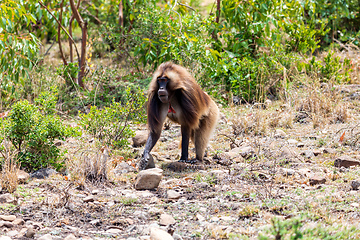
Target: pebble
x: 355, y: 184
x: 166, y: 219
x: 8, y: 218
x: 5, y: 238
x: 308, y: 154
x: 159, y: 234
x: 173, y: 195
x: 30, y: 233
x: 18, y: 221
x: 280, y: 133
x: 89, y: 198
x: 22, y: 176
x: 45, y: 237
x: 314, y: 180
x: 345, y: 161
x: 148, y: 179
x: 7, y: 198
x: 114, y: 231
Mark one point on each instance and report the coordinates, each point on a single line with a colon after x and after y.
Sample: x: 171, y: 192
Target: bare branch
x: 77, y: 52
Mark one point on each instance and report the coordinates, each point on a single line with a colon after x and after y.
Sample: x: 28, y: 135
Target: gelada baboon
x: 174, y: 93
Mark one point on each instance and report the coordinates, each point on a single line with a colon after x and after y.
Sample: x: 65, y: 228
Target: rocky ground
x: 279, y: 170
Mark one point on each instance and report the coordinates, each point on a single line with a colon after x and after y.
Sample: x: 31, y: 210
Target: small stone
x: 43, y: 173
x: 246, y: 152
x: 280, y: 134
x: 89, y: 198
x: 329, y: 150
x: 140, y: 138
x: 45, y: 237
x: 173, y: 195
x: 95, y: 222
x: 200, y: 218
x: 355, y: 205
x: 286, y: 153
x: 345, y: 161
x: 314, y: 180
x: 317, y: 152
x: 7, y: 224
x: 12, y: 233
x: 70, y: 237
x: 22, y: 176
x: 8, y: 218
x: 7, y: 198
x: 308, y: 154
x: 288, y: 172
x: 355, y: 184
x: 95, y: 192
x: 166, y: 219
x: 218, y: 174
x: 30, y: 233
x: 300, y: 145
x: 18, y: 222
x: 123, y: 167
x: 114, y: 231
x: 148, y: 179
x: 158, y: 234
x: 5, y: 238
x: 293, y: 141
x: 223, y: 159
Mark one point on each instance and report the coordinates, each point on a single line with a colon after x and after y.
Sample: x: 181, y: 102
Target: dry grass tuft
x: 90, y: 166
x: 323, y: 107
x: 10, y: 167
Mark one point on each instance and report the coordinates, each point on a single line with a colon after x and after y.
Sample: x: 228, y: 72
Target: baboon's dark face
x: 163, y: 93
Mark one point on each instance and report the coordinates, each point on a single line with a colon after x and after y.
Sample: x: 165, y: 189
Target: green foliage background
x: 252, y: 50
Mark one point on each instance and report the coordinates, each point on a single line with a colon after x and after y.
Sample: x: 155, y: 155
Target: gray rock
x: 18, y: 222
x: 5, y: 238
x: 30, y: 233
x: 173, y: 195
x: 114, y: 231
x: 8, y: 218
x: 280, y: 134
x: 43, y: 173
x: 345, y: 161
x: 148, y: 179
x: 329, y: 150
x: 89, y: 198
x: 300, y: 145
x: 22, y: 176
x: 12, y: 233
x: 308, y: 154
x: 355, y: 184
x: 123, y: 167
x: 314, y: 180
x: 70, y: 237
x: 7, y: 198
x: 140, y: 138
x: 286, y: 153
x: 246, y: 152
x: 45, y: 237
x: 166, y: 219
x: 293, y: 141
x: 158, y: 234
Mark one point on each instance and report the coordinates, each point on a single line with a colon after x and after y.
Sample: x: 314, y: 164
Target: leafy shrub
x: 111, y: 124
x: 32, y: 130
x: 328, y: 69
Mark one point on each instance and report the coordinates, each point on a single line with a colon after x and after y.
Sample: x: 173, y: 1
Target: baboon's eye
x: 163, y: 79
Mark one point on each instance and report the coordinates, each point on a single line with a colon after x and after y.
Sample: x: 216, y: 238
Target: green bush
x: 33, y: 128
x: 111, y: 124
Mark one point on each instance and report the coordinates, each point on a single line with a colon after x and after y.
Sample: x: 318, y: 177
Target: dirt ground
x: 269, y: 174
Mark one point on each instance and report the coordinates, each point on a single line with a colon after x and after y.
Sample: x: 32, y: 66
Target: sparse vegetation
x: 285, y: 76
